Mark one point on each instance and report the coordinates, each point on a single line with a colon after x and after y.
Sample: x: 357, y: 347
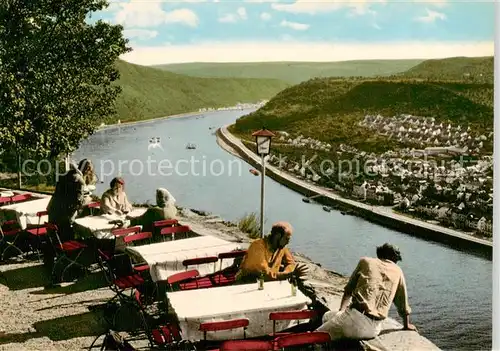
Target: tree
x: 56, y: 74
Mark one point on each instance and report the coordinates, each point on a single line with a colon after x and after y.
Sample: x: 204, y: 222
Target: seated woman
x: 164, y: 209
x: 114, y: 201
x: 267, y: 255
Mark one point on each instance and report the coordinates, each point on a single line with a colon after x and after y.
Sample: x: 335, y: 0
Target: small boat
x: 306, y: 200
x: 254, y: 172
x: 190, y: 146
x: 326, y: 208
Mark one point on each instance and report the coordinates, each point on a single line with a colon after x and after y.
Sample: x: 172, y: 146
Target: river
x: 450, y: 291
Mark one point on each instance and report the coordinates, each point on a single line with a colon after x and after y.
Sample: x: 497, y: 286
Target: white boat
x: 190, y: 146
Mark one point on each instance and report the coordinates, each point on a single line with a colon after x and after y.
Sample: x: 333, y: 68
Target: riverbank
x: 179, y: 115
x: 37, y: 318
x: 377, y: 214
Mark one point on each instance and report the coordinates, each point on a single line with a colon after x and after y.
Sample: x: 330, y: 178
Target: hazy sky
x: 302, y: 30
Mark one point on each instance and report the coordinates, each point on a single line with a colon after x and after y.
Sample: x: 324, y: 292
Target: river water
x: 450, y: 291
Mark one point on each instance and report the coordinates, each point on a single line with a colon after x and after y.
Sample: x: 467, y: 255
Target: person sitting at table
x: 164, y: 209
x: 69, y: 197
x: 114, y: 201
x: 267, y: 256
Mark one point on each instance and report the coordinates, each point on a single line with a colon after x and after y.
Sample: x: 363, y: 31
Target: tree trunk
x: 19, y: 182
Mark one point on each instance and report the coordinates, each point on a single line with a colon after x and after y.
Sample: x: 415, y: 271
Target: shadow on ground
x: 92, y: 281
x: 25, y: 278
x: 62, y: 328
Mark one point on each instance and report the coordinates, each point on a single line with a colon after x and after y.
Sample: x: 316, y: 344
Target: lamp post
x: 263, y: 140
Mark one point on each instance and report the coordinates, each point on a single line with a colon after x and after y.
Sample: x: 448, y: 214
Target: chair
x: 202, y: 282
x: 182, y: 280
x: 91, y: 206
x: 142, y: 236
x: 200, y: 260
x: 64, y: 249
x: 224, y: 325
x: 174, y: 230
x: 289, y: 316
x: 158, y: 225
x: 39, y: 231
x: 10, y: 230
x: 126, y: 231
x: 227, y: 277
x: 246, y: 345
x: 119, y: 275
x: 302, y: 339
x: 133, y: 238
x: 20, y: 197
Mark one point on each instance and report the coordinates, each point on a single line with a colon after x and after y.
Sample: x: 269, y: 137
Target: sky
x: 163, y: 32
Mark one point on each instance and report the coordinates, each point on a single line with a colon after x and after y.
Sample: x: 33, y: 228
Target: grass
x: 292, y: 72
x: 249, y: 224
x: 149, y: 92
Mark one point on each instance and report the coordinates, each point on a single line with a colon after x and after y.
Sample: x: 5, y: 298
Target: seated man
x: 164, y: 209
x: 267, y: 255
x: 114, y: 200
x: 373, y: 286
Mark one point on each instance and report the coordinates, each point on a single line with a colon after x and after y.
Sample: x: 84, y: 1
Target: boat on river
x: 254, y: 171
x: 190, y: 146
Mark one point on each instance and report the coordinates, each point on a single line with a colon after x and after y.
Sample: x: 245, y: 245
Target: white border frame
x: 496, y: 193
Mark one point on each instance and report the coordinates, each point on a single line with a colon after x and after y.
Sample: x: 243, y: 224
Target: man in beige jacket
x: 373, y: 286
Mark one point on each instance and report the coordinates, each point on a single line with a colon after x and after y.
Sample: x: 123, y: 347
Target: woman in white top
x: 114, y: 201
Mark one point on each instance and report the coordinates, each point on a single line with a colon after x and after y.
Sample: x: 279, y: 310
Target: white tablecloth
x: 25, y: 212
x: 100, y: 227
x: 165, y: 259
x: 194, y: 307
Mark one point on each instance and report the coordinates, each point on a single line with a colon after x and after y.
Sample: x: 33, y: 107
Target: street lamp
x: 263, y: 140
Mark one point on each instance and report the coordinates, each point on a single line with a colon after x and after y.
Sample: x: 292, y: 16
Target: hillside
x: 149, y: 92
x: 293, y: 72
x: 469, y: 69
x: 330, y: 109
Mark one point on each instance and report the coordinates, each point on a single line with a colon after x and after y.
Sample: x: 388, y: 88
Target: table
x: 25, y: 212
x: 165, y: 259
x: 233, y: 302
x: 99, y: 226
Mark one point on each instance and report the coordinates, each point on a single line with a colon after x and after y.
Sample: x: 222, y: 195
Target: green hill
x: 149, y: 92
x: 329, y: 109
x: 469, y: 69
x: 293, y: 72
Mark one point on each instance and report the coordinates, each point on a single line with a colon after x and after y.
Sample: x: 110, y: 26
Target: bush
x: 250, y: 224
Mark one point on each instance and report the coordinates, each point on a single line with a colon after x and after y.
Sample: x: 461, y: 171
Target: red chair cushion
x: 197, y: 283
x: 38, y: 231
x: 130, y: 281
x: 141, y: 268
x: 12, y: 232
x: 72, y: 245
x: 166, y: 334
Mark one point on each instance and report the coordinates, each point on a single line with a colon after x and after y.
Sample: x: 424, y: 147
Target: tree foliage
x: 56, y: 70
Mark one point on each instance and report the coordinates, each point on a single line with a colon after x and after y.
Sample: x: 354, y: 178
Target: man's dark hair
x: 277, y: 230
x: 116, y: 180
x: 389, y: 252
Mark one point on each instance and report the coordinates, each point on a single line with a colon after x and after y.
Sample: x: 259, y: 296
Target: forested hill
x: 468, y: 69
